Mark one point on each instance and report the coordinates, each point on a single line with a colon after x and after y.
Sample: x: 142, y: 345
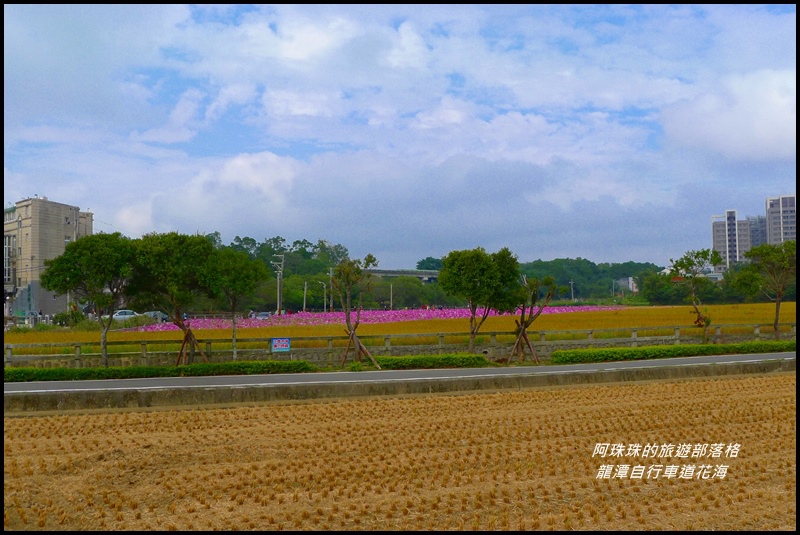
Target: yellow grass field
x: 511, y: 460
x: 638, y: 317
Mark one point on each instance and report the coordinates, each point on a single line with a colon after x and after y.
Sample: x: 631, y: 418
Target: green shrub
x: 68, y: 319
x: 412, y: 362
x: 575, y: 356
x: 15, y: 375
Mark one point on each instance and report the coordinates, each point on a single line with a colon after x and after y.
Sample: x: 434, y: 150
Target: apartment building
x: 730, y: 237
x: 35, y: 230
x: 733, y: 237
x: 781, y: 219
x: 758, y: 230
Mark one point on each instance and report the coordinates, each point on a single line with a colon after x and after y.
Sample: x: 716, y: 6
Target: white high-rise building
x: 730, y: 237
x: 781, y: 219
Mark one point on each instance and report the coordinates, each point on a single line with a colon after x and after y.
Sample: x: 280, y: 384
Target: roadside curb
x: 22, y: 404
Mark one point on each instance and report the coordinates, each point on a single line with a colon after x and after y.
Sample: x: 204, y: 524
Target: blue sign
x: 281, y: 344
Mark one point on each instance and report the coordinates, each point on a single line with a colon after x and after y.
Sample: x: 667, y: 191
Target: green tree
x: 331, y: 254
x: 659, y: 289
x: 351, y: 279
x: 406, y: 292
x: 430, y: 263
x: 691, y: 271
x: 486, y: 281
x: 171, y: 270
x: 96, y: 268
x: 236, y: 276
x: 246, y: 244
x: 531, y: 293
x: 216, y: 239
x: 772, y: 271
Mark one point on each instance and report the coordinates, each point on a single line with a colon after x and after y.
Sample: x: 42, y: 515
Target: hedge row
x: 460, y: 360
x: 416, y: 362
x: 575, y: 356
x: 17, y: 375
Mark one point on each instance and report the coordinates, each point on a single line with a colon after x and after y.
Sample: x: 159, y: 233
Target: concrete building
x: 622, y: 285
x: 758, y: 230
x: 35, y: 230
x: 781, y: 219
x: 730, y: 237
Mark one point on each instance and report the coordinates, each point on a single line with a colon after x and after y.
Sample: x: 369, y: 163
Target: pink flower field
x: 367, y: 316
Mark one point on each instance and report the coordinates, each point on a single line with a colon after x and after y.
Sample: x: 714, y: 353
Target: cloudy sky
x: 611, y: 133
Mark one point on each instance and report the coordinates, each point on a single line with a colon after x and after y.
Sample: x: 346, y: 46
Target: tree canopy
x: 171, y: 271
x: 351, y: 279
x: 97, y: 268
x: 691, y: 271
x: 235, y: 276
x: 486, y: 281
x: 772, y: 271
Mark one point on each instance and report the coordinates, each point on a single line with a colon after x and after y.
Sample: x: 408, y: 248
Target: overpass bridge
x: 425, y: 275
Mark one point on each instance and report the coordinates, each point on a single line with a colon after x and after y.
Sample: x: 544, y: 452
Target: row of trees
x: 307, y: 266
x: 166, y: 272
x: 175, y: 272
x: 770, y: 272
x: 493, y: 282
x: 172, y: 272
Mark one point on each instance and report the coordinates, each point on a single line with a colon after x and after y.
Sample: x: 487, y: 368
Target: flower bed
x: 367, y: 316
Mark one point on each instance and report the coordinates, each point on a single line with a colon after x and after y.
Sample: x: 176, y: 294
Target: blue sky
x: 611, y: 133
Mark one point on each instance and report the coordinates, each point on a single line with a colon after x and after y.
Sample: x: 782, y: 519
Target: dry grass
x: 508, y: 460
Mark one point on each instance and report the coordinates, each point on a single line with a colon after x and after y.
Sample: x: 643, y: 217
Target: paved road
x: 343, y: 377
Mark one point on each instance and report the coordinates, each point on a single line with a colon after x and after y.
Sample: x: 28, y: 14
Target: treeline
x: 586, y: 280
x: 307, y: 266
x: 659, y: 289
x: 177, y: 273
x: 307, y: 277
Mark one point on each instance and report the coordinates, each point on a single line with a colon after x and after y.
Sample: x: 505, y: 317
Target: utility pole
x: 572, y: 289
x: 324, y: 296
x: 305, y: 291
x: 279, y: 272
x: 330, y: 272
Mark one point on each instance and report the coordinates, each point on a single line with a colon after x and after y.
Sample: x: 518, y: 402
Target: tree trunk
x: 190, y: 341
x: 359, y: 348
x: 519, y: 349
x: 234, y: 335
x: 103, y: 344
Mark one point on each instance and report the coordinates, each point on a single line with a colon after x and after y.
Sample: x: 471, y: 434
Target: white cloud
x: 748, y: 117
x: 182, y: 123
x: 266, y: 174
x: 230, y: 95
x: 409, y: 50
x: 303, y: 40
x: 293, y: 103
x: 448, y: 114
x: 136, y: 219
x: 406, y: 129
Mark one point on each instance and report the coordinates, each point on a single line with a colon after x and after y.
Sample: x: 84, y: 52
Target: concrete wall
x: 20, y: 404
